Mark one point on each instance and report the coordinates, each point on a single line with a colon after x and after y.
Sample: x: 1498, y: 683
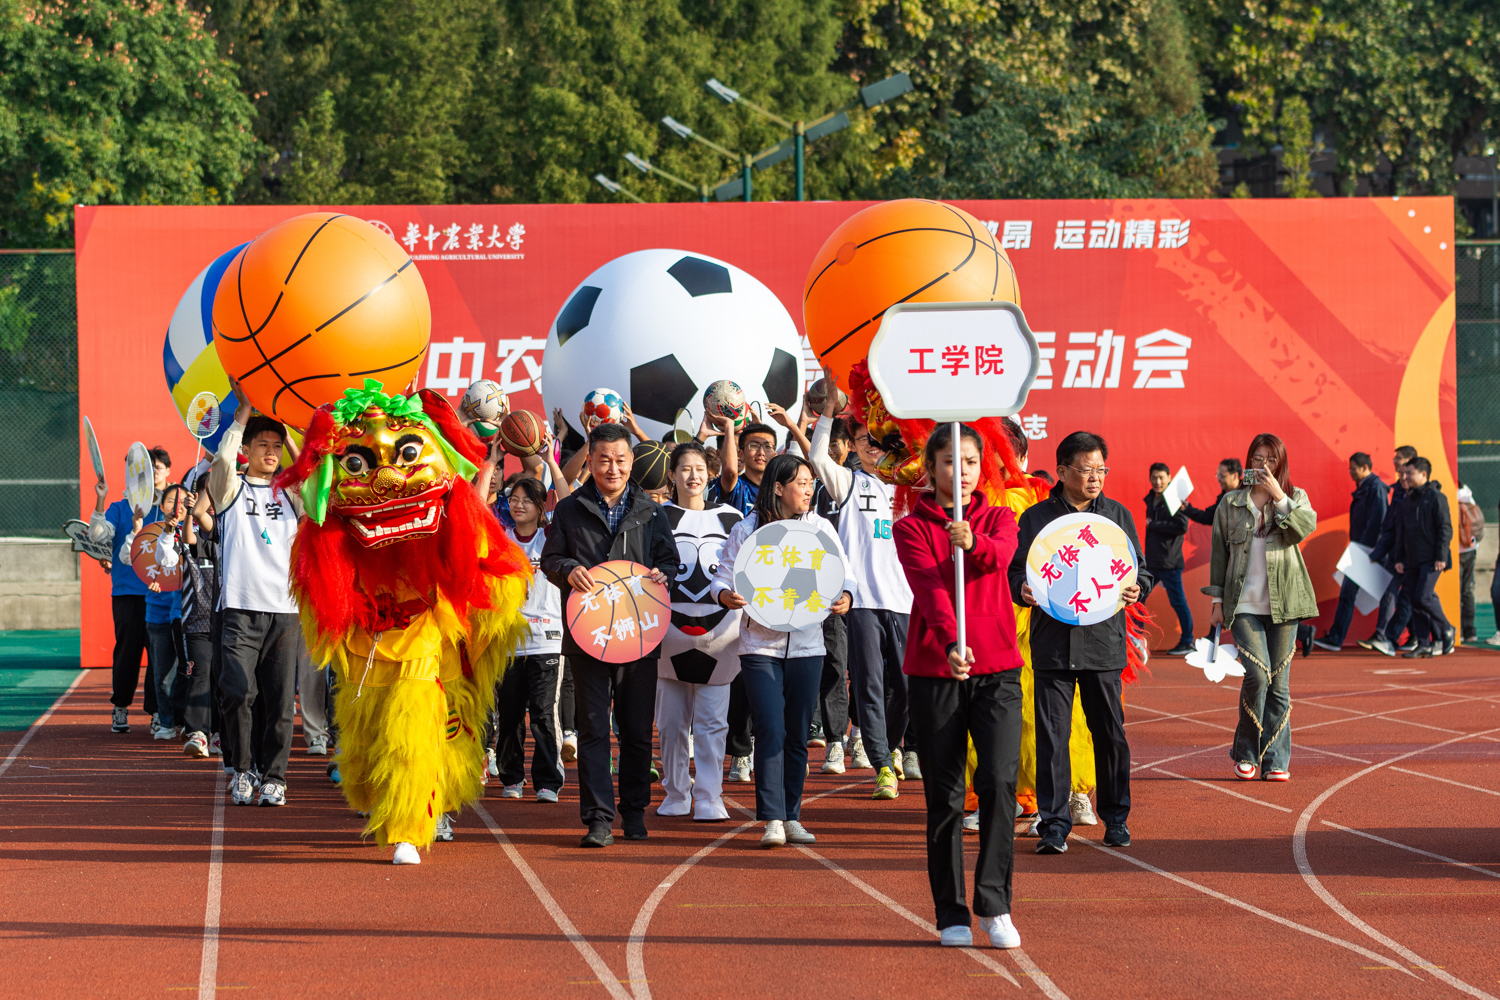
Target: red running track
x: 1374, y: 872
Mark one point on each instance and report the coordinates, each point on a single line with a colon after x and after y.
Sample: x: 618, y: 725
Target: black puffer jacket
x: 1164, y: 531
x: 1057, y: 645
x: 1425, y: 531
x: 579, y: 536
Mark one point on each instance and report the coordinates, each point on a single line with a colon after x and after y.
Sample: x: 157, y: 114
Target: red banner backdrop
x: 1177, y: 329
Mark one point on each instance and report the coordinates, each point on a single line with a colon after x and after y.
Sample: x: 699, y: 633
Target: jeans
x: 877, y: 645
x: 1171, y: 580
x: 168, y: 672
x: 1466, y: 593
x: 130, y: 642
x: 1264, y: 733
x: 1343, y: 615
x: 945, y: 715
x: 782, y: 694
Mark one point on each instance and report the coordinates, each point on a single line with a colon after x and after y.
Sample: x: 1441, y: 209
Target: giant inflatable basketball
x: 911, y: 250
x: 316, y: 305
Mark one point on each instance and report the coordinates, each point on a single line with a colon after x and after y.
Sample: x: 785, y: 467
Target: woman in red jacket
x: 957, y: 694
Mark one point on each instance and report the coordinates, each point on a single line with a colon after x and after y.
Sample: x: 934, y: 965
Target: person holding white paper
x: 1163, y: 552
x: 1366, y: 512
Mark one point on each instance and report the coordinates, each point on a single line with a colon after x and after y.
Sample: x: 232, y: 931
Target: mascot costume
x: 410, y: 590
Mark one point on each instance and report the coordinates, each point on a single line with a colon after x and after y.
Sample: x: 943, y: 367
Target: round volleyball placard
x: 146, y: 555
x: 789, y: 573
x: 1077, y: 567
x: 624, y: 617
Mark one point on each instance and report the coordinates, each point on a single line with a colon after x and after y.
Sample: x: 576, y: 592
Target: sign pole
x: 958, y: 553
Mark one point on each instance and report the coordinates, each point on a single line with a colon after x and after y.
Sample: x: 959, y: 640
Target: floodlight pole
x: 745, y: 162
x: 799, y: 137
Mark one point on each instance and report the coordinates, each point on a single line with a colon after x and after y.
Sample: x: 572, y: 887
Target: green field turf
x: 35, y: 667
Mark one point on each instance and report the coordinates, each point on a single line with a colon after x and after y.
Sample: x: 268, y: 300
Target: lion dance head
x: 391, y: 516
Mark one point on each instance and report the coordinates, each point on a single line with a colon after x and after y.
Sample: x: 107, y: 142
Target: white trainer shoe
x: 444, y: 830
x: 318, y: 747
x: 775, y: 835
x: 272, y: 793
x: 570, y: 746
x: 833, y: 761
x: 490, y: 764
x: 971, y: 822
x: 957, y: 936
x: 242, y: 789
x: 546, y: 795
x: 512, y: 791
x: 857, y: 756
x: 1002, y: 932
x: 739, y: 770
x: 196, y: 746
x: 407, y: 854
x: 1082, y: 810
x: 796, y: 833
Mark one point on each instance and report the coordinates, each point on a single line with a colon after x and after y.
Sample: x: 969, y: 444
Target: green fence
x: 1478, y: 294
x: 38, y: 393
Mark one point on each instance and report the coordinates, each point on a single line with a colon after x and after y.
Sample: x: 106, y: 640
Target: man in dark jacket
x: 1423, y: 536
x: 1230, y: 471
x: 1366, y: 515
x: 1163, y: 553
x: 1395, y: 609
x: 610, y: 517
x: 1090, y: 657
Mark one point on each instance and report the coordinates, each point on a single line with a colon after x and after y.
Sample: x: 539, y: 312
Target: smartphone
x: 1251, y: 477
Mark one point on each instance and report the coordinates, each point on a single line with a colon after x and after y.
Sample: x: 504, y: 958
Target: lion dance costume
x: 1002, y: 480
x: 410, y: 590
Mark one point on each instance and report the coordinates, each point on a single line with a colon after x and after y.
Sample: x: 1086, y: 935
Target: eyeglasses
x: 1098, y: 473
x: 759, y: 446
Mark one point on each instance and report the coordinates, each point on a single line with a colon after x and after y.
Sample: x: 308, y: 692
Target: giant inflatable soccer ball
x: 661, y: 326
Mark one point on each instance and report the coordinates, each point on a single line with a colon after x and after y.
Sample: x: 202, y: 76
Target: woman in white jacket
x: 781, y: 669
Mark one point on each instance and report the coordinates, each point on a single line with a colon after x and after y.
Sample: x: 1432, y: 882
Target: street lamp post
x: 646, y: 166
x: 614, y: 187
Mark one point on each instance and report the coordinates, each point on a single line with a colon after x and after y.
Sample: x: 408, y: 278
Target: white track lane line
x: 1299, y: 852
x: 1446, y: 781
x: 1248, y: 907
x: 1414, y: 850
x: 15, y: 751
x: 1220, y: 788
x: 1022, y: 960
x: 1168, y: 760
x: 208, y: 966
x: 595, y: 962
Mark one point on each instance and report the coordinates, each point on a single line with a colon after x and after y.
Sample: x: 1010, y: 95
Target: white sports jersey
x: 702, y: 642
x: 255, y: 542
x: 543, y: 607
x: 865, y: 531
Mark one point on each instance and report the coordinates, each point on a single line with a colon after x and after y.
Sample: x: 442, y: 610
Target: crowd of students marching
x: 880, y: 685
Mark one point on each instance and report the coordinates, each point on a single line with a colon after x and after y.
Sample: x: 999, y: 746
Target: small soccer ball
x: 817, y: 397
x: 602, y: 406
x: 726, y: 399
x: 485, y: 401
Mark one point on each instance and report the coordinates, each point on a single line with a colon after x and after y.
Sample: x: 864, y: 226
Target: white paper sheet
x: 1371, y: 578
x: 1364, y: 602
x: 1177, y: 491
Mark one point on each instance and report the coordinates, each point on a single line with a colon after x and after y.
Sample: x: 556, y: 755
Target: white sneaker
x: 160, y: 732
x: 215, y: 746
x: 444, y: 830
x: 833, y: 761
x: 1082, y: 810
x: 318, y: 747
x: 971, y: 822
x: 570, y: 747
x: 407, y: 854
x: 739, y: 770
x: 690, y: 746
x: 1035, y: 829
x: 546, y: 795
x: 1002, y: 932
x: 196, y: 746
x: 897, y: 765
x: 858, y: 758
x: 957, y: 936
x: 272, y: 793
x: 1493, y: 640
x: 512, y: 791
x: 241, y: 789
x: 796, y: 833
x: 911, y: 766
x: 775, y: 835
x: 490, y: 763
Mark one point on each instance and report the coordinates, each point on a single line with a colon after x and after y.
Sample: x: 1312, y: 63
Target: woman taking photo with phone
x: 956, y: 694
x: 781, y: 670
x: 1261, y: 590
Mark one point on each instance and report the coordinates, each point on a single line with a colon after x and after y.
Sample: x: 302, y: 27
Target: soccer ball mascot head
x: 408, y: 587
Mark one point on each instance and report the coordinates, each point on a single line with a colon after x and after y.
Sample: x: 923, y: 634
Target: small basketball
x: 522, y: 434
x: 912, y: 250
x: 485, y: 401
x: 624, y: 617
x: 726, y: 399
x: 602, y: 406
x: 316, y: 305
x: 650, y: 469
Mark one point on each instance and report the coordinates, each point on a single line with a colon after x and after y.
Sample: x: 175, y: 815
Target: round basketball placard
x: 789, y: 573
x: 1077, y: 567
x: 624, y: 617
x: 147, y: 551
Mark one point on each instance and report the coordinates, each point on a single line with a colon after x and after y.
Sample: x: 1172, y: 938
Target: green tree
x: 1297, y: 148
x: 113, y: 102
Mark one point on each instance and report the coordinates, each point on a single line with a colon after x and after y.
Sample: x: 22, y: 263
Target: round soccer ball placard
x: 1077, y: 567
x: 624, y: 617
x: 789, y: 573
